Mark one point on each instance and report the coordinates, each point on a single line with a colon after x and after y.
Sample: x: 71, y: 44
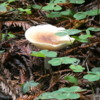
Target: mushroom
x: 43, y: 37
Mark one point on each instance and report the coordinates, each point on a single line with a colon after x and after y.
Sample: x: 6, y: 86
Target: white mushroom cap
x: 43, y: 37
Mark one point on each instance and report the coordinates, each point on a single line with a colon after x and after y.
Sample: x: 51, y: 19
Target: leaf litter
x: 18, y: 67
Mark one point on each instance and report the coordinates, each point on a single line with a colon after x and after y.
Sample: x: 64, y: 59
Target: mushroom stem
x: 47, y: 66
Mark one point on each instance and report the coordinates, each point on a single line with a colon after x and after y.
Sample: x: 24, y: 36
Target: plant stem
x: 47, y: 66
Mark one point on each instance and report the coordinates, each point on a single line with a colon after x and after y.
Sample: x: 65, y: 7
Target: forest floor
x: 17, y: 66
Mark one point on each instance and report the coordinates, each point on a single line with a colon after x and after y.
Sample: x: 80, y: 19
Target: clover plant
x: 63, y: 60
x: 62, y: 93
x: 71, y: 79
x: 76, y: 68
x: 93, y: 75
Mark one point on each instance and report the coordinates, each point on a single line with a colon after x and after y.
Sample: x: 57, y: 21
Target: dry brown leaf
x: 24, y: 24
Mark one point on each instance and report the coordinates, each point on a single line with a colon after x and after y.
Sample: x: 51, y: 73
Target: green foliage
x: 77, y: 1
x: 28, y: 85
x: 7, y: 2
x: 37, y: 54
x: 57, y: 1
x: 1, y: 51
x: 93, y: 75
x: 93, y: 12
x: 62, y: 93
x: 82, y: 15
x: 55, y: 62
x: 44, y: 53
x: 95, y: 29
x: 3, y: 8
x: 96, y: 69
x: 52, y: 6
x: 9, y: 35
x: 71, y: 79
x: 54, y: 14
x: 83, y: 37
x: 63, y: 60
x: 92, y: 29
x: 69, y: 32
x: 67, y: 12
x: 54, y: 10
x: 27, y: 11
x: 36, y: 6
x: 10, y: 1
x: 76, y: 68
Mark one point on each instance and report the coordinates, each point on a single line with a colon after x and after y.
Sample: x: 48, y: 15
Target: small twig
x: 80, y: 47
x: 57, y: 72
x: 34, y: 2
